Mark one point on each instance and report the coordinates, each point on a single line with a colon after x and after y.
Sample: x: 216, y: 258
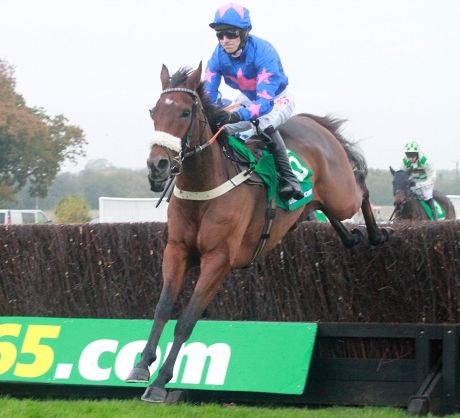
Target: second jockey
x: 421, y: 172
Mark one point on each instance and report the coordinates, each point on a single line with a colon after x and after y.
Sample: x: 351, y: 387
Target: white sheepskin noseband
x: 166, y: 140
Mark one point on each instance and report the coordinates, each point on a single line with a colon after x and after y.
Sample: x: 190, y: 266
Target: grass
x: 33, y: 408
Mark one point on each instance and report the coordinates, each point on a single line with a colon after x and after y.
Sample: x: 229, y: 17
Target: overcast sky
x: 390, y: 67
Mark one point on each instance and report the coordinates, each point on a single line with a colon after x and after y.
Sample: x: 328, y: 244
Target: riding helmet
x: 232, y: 15
x: 412, y: 147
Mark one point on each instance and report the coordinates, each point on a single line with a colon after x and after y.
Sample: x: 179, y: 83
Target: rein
x: 393, y: 213
x: 223, y: 188
x: 210, y: 194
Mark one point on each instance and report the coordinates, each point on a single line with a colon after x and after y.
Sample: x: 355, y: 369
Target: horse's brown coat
x: 222, y: 234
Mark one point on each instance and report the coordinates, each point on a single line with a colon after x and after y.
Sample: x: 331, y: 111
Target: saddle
x: 253, y: 154
x: 256, y: 147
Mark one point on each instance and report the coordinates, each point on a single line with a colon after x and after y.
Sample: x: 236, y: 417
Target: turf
x: 33, y: 408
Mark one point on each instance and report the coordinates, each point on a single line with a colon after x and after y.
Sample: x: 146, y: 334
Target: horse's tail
x: 334, y: 125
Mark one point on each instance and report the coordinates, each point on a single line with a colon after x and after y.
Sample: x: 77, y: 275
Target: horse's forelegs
x: 205, y: 290
x: 349, y: 238
x: 375, y: 234
x: 174, y: 273
x: 140, y: 372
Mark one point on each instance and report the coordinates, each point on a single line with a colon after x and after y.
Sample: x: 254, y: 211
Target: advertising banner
x: 271, y: 357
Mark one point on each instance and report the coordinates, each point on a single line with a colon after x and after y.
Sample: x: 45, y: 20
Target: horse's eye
x: 185, y: 113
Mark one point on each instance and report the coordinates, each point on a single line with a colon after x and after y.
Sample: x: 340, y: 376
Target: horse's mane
x: 179, y: 78
x: 212, y: 111
x: 334, y: 126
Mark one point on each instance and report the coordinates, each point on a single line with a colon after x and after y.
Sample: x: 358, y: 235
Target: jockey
x: 421, y: 172
x: 252, y: 66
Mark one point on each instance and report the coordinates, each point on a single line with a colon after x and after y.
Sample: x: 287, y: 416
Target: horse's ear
x: 165, y: 79
x: 392, y: 171
x: 194, y: 79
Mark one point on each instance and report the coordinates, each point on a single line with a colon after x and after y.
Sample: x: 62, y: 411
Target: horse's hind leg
x: 213, y: 272
x: 375, y: 234
x: 174, y: 269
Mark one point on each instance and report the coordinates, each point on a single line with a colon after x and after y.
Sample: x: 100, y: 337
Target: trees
x: 72, y: 209
x: 99, y: 178
x: 33, y: 145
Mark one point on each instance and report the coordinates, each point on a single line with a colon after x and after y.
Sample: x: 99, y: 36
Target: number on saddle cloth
x: 265, y: 168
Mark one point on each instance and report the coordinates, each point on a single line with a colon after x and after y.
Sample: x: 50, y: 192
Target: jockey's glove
x: 228, y: 118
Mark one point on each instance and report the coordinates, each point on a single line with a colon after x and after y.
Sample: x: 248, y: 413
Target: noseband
x: 188, y: 151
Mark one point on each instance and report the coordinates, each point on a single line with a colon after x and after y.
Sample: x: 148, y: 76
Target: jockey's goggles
x: 229, y: 34
x: 411, y: 154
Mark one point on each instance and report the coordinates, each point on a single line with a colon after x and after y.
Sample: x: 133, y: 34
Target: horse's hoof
x: 138, y: 375
x: 176, y: 396
x: 155, y: 394
x: 388, y: 231
x: 358, y: 234
x: 384, y: 236
x: 356, y: 237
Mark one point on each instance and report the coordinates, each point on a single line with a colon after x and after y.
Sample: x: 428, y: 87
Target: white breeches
x: 424, y: 190
x: 282, y: 110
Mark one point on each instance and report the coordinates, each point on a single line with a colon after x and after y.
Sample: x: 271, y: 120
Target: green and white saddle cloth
x: 440, y: 212
x: 265, y: 168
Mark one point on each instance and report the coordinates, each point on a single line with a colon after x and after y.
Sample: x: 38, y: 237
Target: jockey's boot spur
x: 433, y: 209
x: 289, y: 185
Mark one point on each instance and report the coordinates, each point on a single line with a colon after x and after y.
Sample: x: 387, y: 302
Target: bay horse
x: 406, y: 202
x: 220, y: 231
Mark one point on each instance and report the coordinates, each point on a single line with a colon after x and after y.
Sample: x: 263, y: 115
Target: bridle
x: 400, y: 206
x: 187, y: 150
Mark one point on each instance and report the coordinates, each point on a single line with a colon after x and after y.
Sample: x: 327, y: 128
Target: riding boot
x: 289, y: 185
x: 430, y: 203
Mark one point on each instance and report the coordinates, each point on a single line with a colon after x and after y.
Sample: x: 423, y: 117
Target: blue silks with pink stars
x: 257, y: 73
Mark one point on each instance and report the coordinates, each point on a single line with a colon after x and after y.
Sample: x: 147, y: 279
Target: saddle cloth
x: 264, y: 165
x: 440, y: 212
